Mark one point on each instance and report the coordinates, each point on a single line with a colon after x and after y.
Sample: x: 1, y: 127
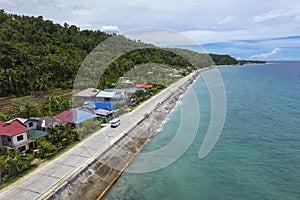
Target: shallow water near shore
x: 257, y: 155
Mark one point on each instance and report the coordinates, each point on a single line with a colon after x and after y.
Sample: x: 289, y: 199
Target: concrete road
x: 46, y: 179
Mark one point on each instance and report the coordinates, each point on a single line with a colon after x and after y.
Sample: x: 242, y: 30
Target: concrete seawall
x: 94, y: 180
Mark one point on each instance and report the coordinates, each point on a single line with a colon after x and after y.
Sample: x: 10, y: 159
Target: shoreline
x: 91, y: 186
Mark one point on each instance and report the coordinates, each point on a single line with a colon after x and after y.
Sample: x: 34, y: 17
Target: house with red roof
x: 14, y: 135
x: 74, y: 117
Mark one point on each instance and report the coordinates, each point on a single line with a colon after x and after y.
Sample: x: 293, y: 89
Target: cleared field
x: 11, y: 105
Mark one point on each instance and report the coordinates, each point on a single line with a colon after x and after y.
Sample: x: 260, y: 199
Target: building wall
x: 24, y: 140
x: 34, y: 125
x: 112, y: 100
x: 6, y: 141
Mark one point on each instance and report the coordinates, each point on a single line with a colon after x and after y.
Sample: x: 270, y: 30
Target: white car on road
x: 115, y: 123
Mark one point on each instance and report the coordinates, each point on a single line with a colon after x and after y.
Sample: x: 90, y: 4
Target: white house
x: 14, y: 135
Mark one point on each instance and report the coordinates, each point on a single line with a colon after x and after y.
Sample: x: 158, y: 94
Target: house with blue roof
x: 100, y: 105
x: 74, y: 117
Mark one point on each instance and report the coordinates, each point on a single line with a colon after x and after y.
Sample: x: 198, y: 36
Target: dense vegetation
x: 244, y: 62
x: 223, y: 60
x: 37, y: 55
x: 51, y: 107
x: 140, y: 57
x: 57, y: 138
x: 12, y: 164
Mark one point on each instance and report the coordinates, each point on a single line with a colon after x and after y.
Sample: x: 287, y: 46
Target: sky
x: 256, y: 29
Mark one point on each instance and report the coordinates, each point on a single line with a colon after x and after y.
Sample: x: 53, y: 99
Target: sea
x: 256, y: 156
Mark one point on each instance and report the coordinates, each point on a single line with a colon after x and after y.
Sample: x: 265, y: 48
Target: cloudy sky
x: 249, y: 29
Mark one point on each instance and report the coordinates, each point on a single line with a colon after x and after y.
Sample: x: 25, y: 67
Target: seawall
x: 93, y: 181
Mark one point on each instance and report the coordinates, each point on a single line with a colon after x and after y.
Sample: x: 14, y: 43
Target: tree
x: 45, y: 147
x: 3, y: 165
x: 88, y: 127
x: 4, y: 118
x: 30, y: 110
x: 12, y: 164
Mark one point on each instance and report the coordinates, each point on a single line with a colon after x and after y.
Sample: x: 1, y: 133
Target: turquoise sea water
x: 257, y: 155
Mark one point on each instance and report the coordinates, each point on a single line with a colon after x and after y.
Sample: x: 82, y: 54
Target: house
x: 32, y: 123
x: 125, y: 80
x: 48, y: 122
x: 106, y: 114
x: 103, y: 105
x: 23, y: 120
x: 14, y: 135
x: 145, y: 86
x: 43, y: 124
x: 108, y: 96
x: 104, y: 111
x: 118, y: 91
x: 88, y: 94
x: 74, y: 117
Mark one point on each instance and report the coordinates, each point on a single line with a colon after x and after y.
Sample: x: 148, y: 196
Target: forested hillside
x: 37, y: 55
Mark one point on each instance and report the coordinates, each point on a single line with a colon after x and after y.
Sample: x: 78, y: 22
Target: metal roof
x: 105, y: 94
x: 89, y: 92
x: 74, y: 116
x: 36, y: 134
x: 12, y: 128
x: 102, y: 112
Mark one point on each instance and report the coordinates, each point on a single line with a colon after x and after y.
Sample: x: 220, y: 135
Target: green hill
x: 38, y: 55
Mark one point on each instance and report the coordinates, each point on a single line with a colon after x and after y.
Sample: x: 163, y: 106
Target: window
x: 8, y: 139
x: 20, y: 137
x: 30, y: 124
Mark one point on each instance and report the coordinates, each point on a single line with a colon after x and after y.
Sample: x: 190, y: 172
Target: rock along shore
x: 95, y: 180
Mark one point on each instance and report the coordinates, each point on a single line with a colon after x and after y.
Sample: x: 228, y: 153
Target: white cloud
x: 81, y: 10
x: 160, y: 37
x: 265, y: 55
x: 206, y: 36
x: 225, y: 20
x: 110, y: 29
x: 297, y: 18
x: 267, y: 16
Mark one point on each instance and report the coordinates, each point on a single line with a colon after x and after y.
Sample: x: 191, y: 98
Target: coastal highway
x: 43, y: 181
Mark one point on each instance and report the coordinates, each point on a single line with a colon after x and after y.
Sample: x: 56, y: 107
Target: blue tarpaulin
x: 102, y: 105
